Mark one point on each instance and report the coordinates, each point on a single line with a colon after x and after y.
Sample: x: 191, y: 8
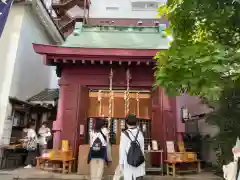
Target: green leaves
x: 204, y: 55
x: 226, y: 119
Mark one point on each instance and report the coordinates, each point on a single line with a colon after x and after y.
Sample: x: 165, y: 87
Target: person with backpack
x: 97, y: 156
x: 31, y: 144
x: 131, y: 151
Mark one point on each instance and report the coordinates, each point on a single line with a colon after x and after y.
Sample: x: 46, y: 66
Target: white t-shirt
x: 31, y: 133
x: 44, y: 132
x: 95, y: 135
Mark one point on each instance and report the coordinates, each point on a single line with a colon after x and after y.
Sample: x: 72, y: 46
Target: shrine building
x: 107, y: 71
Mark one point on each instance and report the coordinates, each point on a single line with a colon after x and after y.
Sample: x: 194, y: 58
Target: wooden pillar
x: 69, y: 113
x: 163, y: 119
x: 72, y: 115
x: 158, y: 132
x: 57, y: 124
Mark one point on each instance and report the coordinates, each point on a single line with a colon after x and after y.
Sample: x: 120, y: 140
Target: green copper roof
x: 118, y: 37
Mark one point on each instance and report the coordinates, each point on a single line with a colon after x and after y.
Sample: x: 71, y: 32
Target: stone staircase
x: 65, y: 23
x: 61, y: 6
x: 63, y: 20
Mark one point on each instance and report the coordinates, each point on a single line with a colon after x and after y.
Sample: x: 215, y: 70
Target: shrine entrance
x: 114, y: 105
x: 104, y: 102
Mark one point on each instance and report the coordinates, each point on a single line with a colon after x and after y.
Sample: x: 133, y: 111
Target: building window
x: 138, y: 5
x: 144, y: 6
x: 112, y: 8
x: 152, y: 6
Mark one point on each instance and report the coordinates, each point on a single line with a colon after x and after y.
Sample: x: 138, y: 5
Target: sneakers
x: 28, y: 166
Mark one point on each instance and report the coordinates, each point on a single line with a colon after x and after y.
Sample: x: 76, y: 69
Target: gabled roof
x: 112, y: 36
x: 47, y: 96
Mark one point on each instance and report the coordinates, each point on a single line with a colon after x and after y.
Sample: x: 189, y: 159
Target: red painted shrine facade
x: 88, y: 68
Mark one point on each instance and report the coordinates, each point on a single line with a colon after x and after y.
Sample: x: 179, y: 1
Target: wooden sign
x: 170, y: 147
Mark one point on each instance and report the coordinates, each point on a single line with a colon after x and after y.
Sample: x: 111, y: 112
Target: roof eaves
x: 47, y: 21
x: 18, y: 101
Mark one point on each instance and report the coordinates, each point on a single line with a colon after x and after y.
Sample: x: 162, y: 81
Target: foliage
x: 193, y: 142
x: 226, y: 118
x: 204, y: 55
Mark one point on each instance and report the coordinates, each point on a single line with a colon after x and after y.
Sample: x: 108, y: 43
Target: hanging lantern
x: 144, y: 127
x: 185, y: 114
x: 122, y: 124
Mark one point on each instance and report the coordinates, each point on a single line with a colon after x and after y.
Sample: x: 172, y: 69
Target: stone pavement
x: 34, y: 174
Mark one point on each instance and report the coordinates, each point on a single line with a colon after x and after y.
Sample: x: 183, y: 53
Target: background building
x: 21, y: 74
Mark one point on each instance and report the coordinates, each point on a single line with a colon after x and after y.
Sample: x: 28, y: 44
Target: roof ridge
x: 46, y: 94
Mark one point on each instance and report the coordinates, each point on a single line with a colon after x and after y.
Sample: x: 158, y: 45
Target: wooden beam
x: 120, y: 95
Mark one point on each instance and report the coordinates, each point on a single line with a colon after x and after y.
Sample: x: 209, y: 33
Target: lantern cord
x: 137, y: 98
x: 110, y: 104
x: 126, y: 93
x: 100, y: 102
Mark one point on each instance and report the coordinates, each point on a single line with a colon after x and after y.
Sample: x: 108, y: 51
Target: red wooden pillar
x: 69, y: 113
x: 158, y: 133
x: 74, y: 115
x: 57, y: 125
x: 163, y: 120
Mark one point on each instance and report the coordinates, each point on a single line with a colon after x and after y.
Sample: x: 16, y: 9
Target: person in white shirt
x: 129, y: 172
x: 44, y: 135
x: 31, y: 145
x: 97, y: 156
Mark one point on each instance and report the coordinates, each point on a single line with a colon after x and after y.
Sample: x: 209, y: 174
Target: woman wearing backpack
x: 31, y: 142
x: 97, y: 156
x: 132, y: 137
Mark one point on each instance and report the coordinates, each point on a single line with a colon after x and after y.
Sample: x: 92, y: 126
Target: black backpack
x: 135, y: 156
x: 96, y: 149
